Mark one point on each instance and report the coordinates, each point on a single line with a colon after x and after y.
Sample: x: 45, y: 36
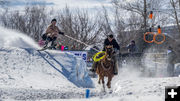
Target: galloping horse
x: 105, y: 67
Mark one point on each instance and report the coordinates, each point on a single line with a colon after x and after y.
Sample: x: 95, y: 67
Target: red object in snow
x: 62, y: 47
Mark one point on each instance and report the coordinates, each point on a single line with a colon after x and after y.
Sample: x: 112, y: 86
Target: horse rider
x: 109, y: 41
x: 52, y: 33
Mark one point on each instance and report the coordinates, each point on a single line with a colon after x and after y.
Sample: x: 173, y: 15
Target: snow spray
x: 87, y: 93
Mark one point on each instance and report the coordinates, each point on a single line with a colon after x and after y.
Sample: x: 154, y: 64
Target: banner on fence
x: 80, y: 54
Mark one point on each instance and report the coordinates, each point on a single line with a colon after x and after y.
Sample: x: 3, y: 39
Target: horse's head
x: 109, y: 52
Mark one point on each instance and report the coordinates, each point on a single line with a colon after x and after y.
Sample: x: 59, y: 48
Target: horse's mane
x: 105, y: 62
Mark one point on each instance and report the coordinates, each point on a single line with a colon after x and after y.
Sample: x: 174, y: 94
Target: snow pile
x: 80, y: 74
x: 22, y: 66
x: 72, y: 67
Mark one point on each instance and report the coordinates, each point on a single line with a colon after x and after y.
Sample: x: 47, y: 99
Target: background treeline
x: 126, y: 20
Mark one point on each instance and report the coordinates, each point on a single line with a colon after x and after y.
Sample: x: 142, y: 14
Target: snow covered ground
x: 27, y: 74
x: 134, y: 89
x: 24, y: 68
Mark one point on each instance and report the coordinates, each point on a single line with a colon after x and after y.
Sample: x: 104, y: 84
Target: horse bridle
x: 109, y: 59
x: 104, y: 67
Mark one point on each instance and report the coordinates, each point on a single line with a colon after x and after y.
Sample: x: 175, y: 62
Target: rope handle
x: 80, y: 42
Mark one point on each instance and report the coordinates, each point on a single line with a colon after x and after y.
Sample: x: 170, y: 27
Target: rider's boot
x: 115, y: 67
x: 94, y: 66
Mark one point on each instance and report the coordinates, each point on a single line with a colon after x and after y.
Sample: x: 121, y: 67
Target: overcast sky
x: 62, y: 3
x: 93, y: 6
x: 80, y: 3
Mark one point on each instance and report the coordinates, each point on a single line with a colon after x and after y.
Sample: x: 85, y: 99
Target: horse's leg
x: 109, y: 81
x: 100, y: 77
x: 103, y: 83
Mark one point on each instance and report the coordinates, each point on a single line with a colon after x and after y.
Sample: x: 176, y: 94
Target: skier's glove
x: 62, y: 33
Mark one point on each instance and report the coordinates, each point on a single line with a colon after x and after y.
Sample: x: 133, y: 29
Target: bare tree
x: 175, y: 15
x: 80, y: 26
x: 36, y: 22
x: 32, y: 21
x: 137, y: 18
x: 139, y: 7
x: 106, y: 22
x: 3, y: 2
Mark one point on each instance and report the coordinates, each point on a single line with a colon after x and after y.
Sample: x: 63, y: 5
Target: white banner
x: 80, y: 54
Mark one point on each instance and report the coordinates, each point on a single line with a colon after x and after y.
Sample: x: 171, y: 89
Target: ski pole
x: 81, y: 42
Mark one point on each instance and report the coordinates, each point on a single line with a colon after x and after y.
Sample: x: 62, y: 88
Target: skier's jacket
x: 52, y: 31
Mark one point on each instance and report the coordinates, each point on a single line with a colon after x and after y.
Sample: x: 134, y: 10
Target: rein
x: 109, y: 59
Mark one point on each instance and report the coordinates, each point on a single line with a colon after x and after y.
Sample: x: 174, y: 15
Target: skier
x: 51, y: 34
x: 109, y: 41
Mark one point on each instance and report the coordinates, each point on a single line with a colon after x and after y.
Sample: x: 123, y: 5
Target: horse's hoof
x: 109, y: 86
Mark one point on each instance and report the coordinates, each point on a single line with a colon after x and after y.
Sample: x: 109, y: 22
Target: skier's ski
x: 50, y: 47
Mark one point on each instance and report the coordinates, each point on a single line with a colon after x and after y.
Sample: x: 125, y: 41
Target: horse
x: 105, y: 67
